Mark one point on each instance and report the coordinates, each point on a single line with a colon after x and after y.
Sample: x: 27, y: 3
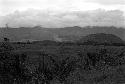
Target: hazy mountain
x: 58, y: 34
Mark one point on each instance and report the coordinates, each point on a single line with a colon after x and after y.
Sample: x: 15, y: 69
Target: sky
x: 61, y: 13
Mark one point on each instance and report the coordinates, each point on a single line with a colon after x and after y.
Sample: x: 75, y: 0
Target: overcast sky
x: 58, y: 13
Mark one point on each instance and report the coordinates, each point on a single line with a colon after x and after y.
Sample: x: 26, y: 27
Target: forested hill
x: 101, y: 38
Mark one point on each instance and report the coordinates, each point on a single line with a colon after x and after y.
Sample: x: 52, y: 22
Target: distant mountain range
x: 57, y: 34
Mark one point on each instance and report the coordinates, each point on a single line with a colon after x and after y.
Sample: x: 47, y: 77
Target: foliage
x: 54, y: 65
x: 45, y: 73
x: 12, y: 66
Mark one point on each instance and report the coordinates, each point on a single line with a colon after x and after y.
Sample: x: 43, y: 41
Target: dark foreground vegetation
x: 61, y: 63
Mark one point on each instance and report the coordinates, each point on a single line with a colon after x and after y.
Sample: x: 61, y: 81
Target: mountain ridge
x: 63, y: 34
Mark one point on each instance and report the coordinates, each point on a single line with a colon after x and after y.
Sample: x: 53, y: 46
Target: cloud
x: 51, y: 19
x: 107, y: 2
x: 8, y: 6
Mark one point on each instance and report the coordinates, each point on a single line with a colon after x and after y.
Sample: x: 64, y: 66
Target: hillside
x: 101, y: 38
x: 57, y: 34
